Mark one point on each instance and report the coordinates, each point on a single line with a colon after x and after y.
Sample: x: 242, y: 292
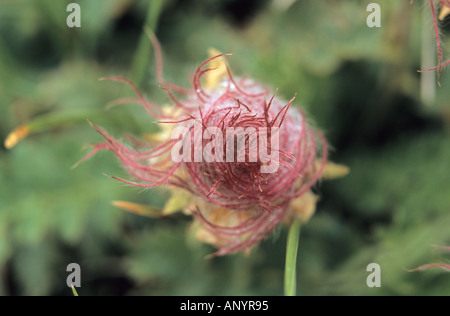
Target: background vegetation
x: 359, y: 84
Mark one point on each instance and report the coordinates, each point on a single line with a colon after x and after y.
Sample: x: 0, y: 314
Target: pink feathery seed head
x: 242, y: 152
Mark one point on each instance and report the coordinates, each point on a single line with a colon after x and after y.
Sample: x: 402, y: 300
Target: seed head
x: 244, y: 156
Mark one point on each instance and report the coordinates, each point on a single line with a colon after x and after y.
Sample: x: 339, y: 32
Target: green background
x: 358, y: 84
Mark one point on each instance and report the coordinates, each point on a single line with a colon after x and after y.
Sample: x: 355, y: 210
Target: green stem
x: 74, y: 291
x: 290, y: 278
x: 144, y: 49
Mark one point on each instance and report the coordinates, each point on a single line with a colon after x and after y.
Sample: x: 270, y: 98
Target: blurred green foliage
x: 360, y: 85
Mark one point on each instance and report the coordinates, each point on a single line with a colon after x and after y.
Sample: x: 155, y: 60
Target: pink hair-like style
x: 441, y: 62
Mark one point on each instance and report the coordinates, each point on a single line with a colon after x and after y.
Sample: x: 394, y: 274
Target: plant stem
x: 290, y: 278
x: 143, y: 52
x: 74, y: 291
x: 428, y: 60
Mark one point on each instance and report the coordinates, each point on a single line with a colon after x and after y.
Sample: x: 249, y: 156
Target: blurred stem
x: 47, y: 122
x: 290, y: 277
x: 428, y: 60
x: 74, y: 291
x: 143, y: 52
